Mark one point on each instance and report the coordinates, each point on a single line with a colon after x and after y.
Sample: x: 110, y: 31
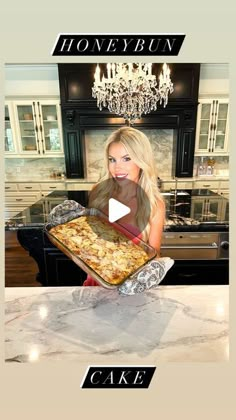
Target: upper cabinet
x: 212, y: 127
x: 10, y: 144
x: 36, y: 128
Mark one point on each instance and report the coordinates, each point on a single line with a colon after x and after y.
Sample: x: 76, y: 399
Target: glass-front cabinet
x: 27, y: 128
x: 38, y: 128
x: 206, y: 209
x: 212, y: 127
x: 10, y: 145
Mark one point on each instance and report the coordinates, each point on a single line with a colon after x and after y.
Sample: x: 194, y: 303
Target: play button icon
x: 115, y: 199
x: 116, y: 210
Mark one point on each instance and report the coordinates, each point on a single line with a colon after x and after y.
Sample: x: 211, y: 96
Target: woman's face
x: 121, y: 166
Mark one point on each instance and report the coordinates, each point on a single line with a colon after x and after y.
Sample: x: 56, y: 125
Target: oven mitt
x: 65, y: 212
x: 149, y: 277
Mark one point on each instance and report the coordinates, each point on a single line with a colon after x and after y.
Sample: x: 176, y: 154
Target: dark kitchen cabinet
x: 55, y: 268
x: 185, y: 153
x: 60, y: 270
x: 197, y: 272
x: 80, y: 112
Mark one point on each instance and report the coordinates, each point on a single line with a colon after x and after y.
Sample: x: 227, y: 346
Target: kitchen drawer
x: 10, y: 187
x: 12, y: 212
x: 211, y: 184
x: 224, y: 185
x: 29, y: 187
x: 50, y: 186
x: 78, y: 186
x: 18, y: 199
x: 184, y: 185
x: 168, y: 185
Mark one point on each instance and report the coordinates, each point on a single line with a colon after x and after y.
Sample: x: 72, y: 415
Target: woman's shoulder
x: 159, y: 214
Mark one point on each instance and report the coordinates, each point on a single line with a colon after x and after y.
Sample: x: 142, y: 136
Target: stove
x: 197, y: 225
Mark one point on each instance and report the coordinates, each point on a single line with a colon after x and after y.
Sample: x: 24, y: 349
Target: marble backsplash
x: 162, y: 142
x: 163, y: 145
x: 221, y: 166
x: 35, y: 167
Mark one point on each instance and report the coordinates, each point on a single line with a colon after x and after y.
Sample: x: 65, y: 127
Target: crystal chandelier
x: 130, y: 89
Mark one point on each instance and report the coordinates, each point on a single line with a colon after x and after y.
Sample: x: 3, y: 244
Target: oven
x: 201, y: 258
x: 195, y: 245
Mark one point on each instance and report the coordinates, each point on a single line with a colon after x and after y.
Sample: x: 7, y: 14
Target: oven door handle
x: 212, y: 246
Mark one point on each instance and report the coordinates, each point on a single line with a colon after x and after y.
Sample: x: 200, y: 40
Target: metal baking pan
x: 150, y: 251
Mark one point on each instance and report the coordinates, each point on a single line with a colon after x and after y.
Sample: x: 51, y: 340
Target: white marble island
x: 95, y: 325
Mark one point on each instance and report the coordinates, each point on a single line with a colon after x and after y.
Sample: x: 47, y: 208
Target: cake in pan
x: 106, y: 250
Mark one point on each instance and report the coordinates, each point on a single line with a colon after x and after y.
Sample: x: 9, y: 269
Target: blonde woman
x: 129, y: 165
x: 132, y: 176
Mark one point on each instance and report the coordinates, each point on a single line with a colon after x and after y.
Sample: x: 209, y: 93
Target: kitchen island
x: 96, y: 325
x: 195, y: 236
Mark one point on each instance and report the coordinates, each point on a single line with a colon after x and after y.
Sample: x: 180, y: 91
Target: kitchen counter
x: 46, y: 178
x: 95, y: 325
x: 42, y: 179
x: 180, y: 210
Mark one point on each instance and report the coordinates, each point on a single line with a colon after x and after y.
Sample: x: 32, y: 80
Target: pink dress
x: 135, y: 231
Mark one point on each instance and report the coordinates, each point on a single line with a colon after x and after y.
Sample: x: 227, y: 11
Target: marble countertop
x: 41, y: 179
x: 96, y: 325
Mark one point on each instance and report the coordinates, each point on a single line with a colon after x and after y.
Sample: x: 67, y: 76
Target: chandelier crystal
x: 130, y: 89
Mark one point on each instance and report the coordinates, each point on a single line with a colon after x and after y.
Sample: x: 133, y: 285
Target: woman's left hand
x: 149, y: 277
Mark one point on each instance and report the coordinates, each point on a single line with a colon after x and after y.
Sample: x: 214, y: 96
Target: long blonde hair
x: 139, y: 148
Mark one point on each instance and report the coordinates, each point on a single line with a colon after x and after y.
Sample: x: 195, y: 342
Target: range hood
x: 80, y: 113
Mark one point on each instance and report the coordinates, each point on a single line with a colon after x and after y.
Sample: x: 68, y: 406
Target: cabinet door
x: 225, y: 210
x: 38, y: 128
x: 206, y: 209
x: 185, y: 153
x: 27, y: 127
x: 48, y: 113
x: 10, y: 142
x: 212, y: 127
x: 212, y: 210
x: 204, y: 127
x: 221, y: 128
x: 197, y: 208
x: 60, y: 270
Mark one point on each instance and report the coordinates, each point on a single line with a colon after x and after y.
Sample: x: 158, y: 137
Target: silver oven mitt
x: 149, y: 277
x: 65, y: 212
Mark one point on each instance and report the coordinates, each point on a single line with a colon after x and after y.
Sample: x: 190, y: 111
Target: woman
x: 132, y: 176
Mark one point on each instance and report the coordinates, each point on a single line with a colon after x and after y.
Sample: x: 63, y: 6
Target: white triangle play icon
x: 116, y: 210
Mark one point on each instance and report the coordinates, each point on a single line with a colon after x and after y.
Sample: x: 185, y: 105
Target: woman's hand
x: 65, y: 212
x: 149, y: 277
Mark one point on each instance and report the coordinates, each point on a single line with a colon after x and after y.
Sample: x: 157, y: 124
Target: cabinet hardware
x: 70, y: 116
x: 36, y: 128
x: 19, y: 199
x: 41, y: 127
x: 28, y: 188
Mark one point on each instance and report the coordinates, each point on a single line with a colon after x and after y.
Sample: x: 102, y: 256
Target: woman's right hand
x: 65, y: 212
